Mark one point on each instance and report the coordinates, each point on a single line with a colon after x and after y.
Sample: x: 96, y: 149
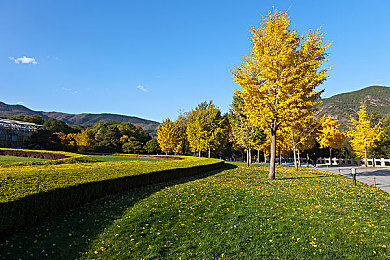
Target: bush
x: 33, y: 154
x: 53, y: 157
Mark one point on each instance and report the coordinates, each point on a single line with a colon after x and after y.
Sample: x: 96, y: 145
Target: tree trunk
x: 295, y: 158
x: 265, y: 157
x: 248, y: 152
x: 258, y: 156
x: 299, y: 158
x: 308, y: 159
x: 365, y: 157
x: 209, y: 152
x: 294, y: 151
x: 271, y: 175
x: 166, y: 153
x: 330, y: 154
x: 247, y: 158
x: 250, y: 157
x: 200, y: 153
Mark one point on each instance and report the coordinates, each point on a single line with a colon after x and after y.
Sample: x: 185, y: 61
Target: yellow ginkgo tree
x: 206, y: 129
x: 244, y: 134
x: 329, y: 135
x: 169, y: 136
x: 363, y: 133
x: 85, y: 140
x: 280, y: 76
x: 301, y: 134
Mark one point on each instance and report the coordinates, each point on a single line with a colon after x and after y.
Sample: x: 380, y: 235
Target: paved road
x: 366, y: 175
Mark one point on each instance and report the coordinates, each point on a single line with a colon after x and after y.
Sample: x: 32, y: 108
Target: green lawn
x: 108, y: 158
x: 9, y: 159
x: 234, y: 213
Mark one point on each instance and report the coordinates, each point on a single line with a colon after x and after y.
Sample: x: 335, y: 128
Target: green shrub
x: 67, y: 157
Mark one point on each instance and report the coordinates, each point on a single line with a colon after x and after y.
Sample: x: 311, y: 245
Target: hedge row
x: 33, y: 154
x: 25, y: 200
x: 53, y: 157
x: 160, y: 157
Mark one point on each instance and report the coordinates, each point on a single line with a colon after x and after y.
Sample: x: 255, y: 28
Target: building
x: 16, y: 133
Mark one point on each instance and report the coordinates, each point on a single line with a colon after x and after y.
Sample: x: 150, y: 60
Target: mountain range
x: 340, y: 106
x: 7, y: 111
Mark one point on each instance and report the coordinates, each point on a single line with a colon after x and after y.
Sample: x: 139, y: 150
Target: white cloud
x: 140, y: 87
x: 20, y: 102
x: 24, y: 60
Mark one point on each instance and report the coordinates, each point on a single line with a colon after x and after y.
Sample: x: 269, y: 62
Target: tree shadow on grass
x: 67, y: 235
x: 372, y: 172
x: 304, y: 177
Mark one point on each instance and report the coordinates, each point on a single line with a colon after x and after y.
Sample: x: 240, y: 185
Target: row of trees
x: 274, y: 108
x: 203, y: 129
x: 103, y: 137
x: 362, y: 134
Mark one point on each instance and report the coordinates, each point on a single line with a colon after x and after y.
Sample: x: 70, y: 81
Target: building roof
x: 7, y: 123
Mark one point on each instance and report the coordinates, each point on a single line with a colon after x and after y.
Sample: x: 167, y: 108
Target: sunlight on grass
x: 241, y: 213
x: 108, y: 158
x: 9, y: 159
x: 235, y: 213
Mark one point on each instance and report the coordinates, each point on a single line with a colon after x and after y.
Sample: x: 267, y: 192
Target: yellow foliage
x: 243, y: 133
x: 363, y: 135
x: 169, y: 136
x: 84, y: 140
x: 283, y: 143
x: 67, y: 140
x: 205, y: 128
x: 303, y: 132
x: 124, y: 139
x: 329, y: 134
x: 279, y: 77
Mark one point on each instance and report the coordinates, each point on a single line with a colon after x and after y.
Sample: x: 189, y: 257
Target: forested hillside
x: 8, y: 111
x: 343, y: 105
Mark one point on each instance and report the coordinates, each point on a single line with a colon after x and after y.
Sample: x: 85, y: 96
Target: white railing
x: 373, y: 162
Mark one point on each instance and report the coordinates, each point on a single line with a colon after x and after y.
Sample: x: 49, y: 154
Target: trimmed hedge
x: 160, y: 157
x: 56, y: 188
x: 34, y: 154
x: 53, y: 157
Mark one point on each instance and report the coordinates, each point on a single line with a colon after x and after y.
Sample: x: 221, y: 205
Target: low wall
x: 373, y: 162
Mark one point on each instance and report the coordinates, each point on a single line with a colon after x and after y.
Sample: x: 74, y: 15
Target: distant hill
x: 343, y: 105
x: 7, y: 111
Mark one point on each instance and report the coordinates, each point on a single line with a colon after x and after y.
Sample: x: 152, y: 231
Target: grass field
x: 234, y: 213
x: 19, y: 181
x: 102, y: 158
x: 9, y: 159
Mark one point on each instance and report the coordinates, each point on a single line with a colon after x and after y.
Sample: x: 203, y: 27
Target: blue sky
x: 153, y: 58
